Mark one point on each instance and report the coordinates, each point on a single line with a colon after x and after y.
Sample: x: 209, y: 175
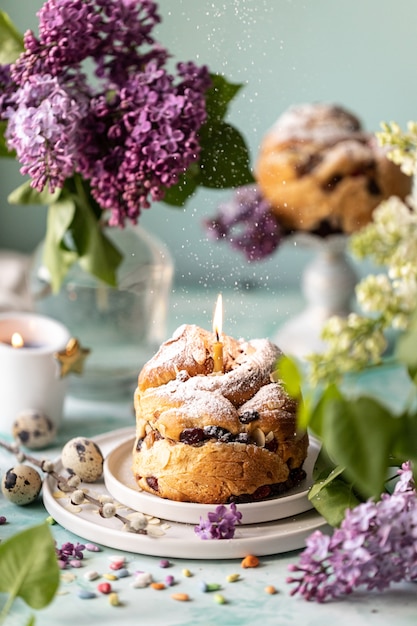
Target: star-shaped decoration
x: 72, y: 358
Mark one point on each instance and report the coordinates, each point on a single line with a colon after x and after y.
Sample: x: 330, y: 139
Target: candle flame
x: 218, y: 317
x: 17, y: 340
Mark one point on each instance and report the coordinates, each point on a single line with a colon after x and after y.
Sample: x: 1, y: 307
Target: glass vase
x: 122, y: 326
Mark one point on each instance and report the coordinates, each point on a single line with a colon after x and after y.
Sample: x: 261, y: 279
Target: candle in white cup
x: 30, y: 375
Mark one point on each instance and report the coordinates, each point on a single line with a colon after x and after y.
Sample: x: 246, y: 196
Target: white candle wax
x: 30, y: 376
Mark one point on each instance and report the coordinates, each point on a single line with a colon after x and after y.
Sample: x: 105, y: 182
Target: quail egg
x: 33, y: 429
x: 84, y: 458
x: 21, y: 484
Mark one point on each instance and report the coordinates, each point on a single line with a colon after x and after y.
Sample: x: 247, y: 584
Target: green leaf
x: 332, y: 496
x: 405, y: 445
x: 101, y: 258
x: 57, y: 257
x: 184, y: 189
x: 25, y: 194
x: 406, y: 349
x: 11, y: 40
x: 358, y: 434
x: 4, y: 151
x: 224, y: 159
x: 219, y: 96
x: 75, y: 234
x: 314, y: 408
x: 290, y: 375
x: 28, y: 566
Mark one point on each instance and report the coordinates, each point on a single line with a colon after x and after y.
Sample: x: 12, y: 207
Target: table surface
x: 246, y: 600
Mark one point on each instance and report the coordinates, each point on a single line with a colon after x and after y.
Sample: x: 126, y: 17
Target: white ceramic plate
x: 120, y: 483
x: 179, y: 540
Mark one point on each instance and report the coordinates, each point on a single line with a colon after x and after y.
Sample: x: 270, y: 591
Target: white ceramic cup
x: 30, y: 376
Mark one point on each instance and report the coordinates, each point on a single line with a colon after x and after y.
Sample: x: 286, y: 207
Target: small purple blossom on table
x: 220, y: 524
x: 375, y: 546
x: 69, y: 552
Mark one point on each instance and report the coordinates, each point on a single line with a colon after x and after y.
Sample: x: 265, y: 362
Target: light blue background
x: 362, y: 55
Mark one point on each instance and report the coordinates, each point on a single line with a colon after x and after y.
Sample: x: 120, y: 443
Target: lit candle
x: 17, y: 340
x: 30, y: 373
x: 217, y: 330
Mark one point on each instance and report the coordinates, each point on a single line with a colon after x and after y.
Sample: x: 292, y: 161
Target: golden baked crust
x: 208, y: 438
x: 214, y: 472
x: 317, y: 166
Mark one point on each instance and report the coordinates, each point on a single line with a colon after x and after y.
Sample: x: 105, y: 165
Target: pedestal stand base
x: 328, y: 284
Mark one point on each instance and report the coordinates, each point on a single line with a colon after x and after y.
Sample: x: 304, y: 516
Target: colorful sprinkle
x: 219, y: 598
x: 142, y: 579
x: 116, y: 558
x: 91, y: 547
x: 110, y: 576
x: 158, y: 586
x: 68, y: 577
x: 122, y: 573
x: 104, y: 588
x: 114, y: 599
x: 270, y: 589
x: 186, y: 572
x: 169, y: 580
x: 250, y: 561
x: 91, y: 575
x: 75, y: 563
x: 115, y: 565
x: 209, y: 586
x: 181, y: 597
x: 84, y: 594
x: 232, y: 578
x: 164, y: 563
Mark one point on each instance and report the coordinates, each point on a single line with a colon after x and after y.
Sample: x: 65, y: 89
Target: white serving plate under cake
x: 287, y: 531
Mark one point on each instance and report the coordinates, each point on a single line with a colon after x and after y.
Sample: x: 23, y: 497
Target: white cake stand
x: 328, y: 285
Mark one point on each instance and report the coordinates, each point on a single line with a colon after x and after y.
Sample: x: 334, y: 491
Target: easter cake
x: 322, y: 173
x: 214, y: 438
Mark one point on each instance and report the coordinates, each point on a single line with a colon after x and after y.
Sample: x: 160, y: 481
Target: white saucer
x: 119, y: 481
x: 180, y: 540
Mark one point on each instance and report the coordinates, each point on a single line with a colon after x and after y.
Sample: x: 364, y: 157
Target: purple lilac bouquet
x: 98, y: 149
x: 375, y: 546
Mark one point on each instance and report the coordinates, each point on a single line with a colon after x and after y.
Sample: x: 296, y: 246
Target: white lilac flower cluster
x: 387, y: 299
x: 367, y: 551
x: 402, y: 144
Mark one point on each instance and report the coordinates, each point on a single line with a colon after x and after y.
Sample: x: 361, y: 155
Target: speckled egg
x: 83, y: 457
x: 21, y: 484
x: 33, y: 429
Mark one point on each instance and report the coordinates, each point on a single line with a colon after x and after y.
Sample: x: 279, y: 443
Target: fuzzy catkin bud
x: 108, y: 510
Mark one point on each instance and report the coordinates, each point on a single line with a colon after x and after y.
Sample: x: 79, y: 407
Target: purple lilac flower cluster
x: 69, y: 553
x: 131, y: 133
x: 376, y: 545
x: 247, y: 223
x: 220, y: 524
